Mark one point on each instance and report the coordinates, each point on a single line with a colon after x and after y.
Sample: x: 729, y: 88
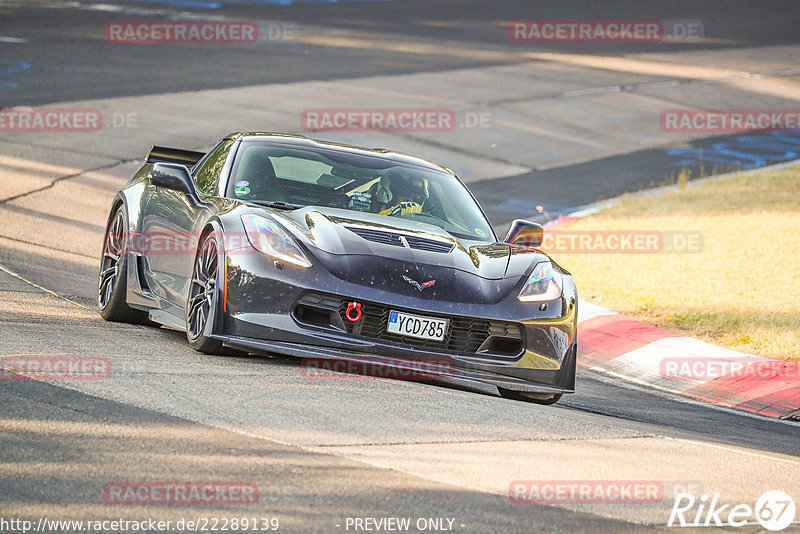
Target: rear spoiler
x: 162, y: 154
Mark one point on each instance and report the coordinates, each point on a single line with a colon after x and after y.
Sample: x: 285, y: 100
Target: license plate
x: 417, y: 326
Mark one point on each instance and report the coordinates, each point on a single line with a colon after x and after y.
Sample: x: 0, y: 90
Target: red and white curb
x: 632, y: 350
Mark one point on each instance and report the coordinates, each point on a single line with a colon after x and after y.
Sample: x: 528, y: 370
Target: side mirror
x: 525, y: 234
x: 173, y: 176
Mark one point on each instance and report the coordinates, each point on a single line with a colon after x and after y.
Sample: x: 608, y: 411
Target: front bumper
x: 461, y: 375
x: 260, y: 314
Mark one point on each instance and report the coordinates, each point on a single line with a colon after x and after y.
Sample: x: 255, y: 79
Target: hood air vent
x: 402, y: 240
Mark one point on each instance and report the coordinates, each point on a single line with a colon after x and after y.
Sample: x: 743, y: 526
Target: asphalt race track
x: 557, y: 125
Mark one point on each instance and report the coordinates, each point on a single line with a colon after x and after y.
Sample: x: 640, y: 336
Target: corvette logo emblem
x: 416, y: 284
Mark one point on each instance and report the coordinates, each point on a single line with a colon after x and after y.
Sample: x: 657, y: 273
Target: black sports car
x: 274, y: 243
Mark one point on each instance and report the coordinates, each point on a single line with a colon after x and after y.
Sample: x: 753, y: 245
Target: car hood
x: 376, y: 250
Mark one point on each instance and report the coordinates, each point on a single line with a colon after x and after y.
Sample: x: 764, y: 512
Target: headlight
x: 272, y: 240
x: 543, y: 284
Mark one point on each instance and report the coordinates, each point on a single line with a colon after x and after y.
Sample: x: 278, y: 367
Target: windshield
x: 301, y: 176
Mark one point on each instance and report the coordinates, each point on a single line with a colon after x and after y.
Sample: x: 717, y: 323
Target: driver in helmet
x: 401, y: 193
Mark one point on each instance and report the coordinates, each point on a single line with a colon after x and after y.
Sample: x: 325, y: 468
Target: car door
x: 172, y: 222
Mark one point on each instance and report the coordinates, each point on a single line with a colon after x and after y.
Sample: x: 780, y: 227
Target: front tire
x: 536, y: 398
x: 112, y: 283
x: 202, y: 300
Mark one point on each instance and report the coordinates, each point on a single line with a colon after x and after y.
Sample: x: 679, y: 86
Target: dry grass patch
x: 742, y: 291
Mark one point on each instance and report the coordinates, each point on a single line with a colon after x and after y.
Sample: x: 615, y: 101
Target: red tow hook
x: 353, y: 306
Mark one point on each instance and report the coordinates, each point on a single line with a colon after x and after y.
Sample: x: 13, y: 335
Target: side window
x: 207, y: 175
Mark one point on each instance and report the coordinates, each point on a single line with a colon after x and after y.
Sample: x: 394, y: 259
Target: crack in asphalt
x: 48, y: 247
x: 67, y: 177
x: 9, y: 272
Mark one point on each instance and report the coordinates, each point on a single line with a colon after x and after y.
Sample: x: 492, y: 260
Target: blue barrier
x: 749, y: 151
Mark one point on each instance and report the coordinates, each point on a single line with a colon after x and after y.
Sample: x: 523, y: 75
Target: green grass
x: 742, y: 291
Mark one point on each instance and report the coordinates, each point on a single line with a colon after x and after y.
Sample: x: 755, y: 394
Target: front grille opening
x: 314, y: 316
x: 502, y: 345
x: 464, y: 335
